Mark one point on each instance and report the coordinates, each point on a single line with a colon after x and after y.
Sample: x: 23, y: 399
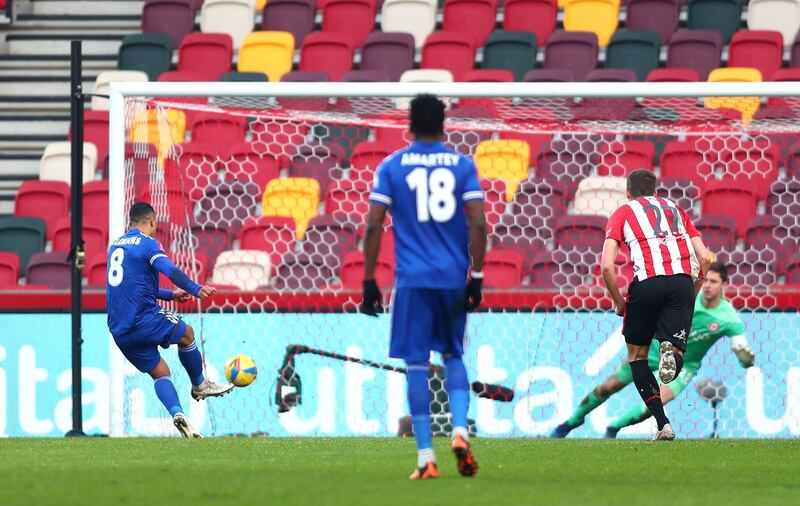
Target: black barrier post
x: 77, y: 255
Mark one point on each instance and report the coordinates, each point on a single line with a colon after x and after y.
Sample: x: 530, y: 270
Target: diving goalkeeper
x: 714, y: 318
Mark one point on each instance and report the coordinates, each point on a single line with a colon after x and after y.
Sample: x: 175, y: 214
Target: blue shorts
x: 140, y: 346
x: 425, y: 320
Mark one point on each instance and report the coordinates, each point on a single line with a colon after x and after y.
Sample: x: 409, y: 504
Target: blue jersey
x: 426, y: 186
x: 132, y: 283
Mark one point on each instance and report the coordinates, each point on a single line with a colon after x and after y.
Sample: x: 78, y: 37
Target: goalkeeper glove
x: 371, y: 300
x: 745, y: 355
x: 474, y: 291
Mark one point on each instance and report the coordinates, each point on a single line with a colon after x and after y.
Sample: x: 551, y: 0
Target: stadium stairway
x: 35, y: 75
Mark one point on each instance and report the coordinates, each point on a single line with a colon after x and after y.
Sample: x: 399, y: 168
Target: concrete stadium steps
x: 85, y: 7
x: 59, y: 43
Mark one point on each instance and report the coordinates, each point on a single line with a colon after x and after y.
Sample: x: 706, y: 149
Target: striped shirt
x: 658, y: 234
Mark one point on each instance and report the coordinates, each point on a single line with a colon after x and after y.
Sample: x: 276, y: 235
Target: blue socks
x: 419, y: 402
x: 457, y: 390
x: 193, y: 362
x: 166, y: 393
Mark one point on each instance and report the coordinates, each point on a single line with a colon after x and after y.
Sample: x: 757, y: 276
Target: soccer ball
x: 241, y: 370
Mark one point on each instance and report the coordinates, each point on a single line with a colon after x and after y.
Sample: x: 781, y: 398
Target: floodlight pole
x: 77, y: 255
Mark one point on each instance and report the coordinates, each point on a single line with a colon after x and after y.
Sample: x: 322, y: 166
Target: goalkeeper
x: 714, y: 318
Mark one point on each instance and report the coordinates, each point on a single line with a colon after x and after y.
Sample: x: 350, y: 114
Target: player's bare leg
x: 593, y: 399
x: 192, y: 361
x: 649, y: 389
x: 165, y: 390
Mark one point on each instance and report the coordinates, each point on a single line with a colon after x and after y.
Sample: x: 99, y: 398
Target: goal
x: 261, y: 190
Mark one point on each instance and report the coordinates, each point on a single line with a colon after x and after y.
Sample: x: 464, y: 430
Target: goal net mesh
x: 265, y: 198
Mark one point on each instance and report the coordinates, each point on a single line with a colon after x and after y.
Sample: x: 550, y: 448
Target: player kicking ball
x: 714, y: 318
x: 437, y: 210
x: 139, y: 325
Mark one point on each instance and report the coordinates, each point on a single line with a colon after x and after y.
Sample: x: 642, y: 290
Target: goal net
x: 262, y: 190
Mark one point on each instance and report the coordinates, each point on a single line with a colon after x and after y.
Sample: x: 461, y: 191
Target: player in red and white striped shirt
x: 668, y: 257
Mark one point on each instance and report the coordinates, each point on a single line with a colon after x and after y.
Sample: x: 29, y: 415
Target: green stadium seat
x: 723, y: 16
x: 514, y: 51
x: 244, y: 77
x: 23, y: 236
x: 634, y: 50
x: 150, y: 53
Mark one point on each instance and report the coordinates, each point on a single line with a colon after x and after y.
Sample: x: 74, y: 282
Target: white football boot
x: 665, y: 434
x: 210, y: 389
x: 666, y: 362
x: 184, y: 427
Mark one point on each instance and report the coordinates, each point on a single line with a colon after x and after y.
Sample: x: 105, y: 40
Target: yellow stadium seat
x: 293, y: 197
x: 260, y: 5
x: 504, y: 159
x: 268, y: 52
x: 597, y: 16
x: 162, y: 128
x: 748, y: 106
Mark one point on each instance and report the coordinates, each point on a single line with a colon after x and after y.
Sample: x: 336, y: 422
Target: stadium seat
x: 331, y: 53
x: 681, y: 160
x: 244, y: 77
x: 304, y: 272
x: 352, y: 271
x: 330, y: 238
x: 293, y: 16
x: 507, y: 160
x: 637, y: 51
x: 229, y: 203
x: 392, y: 53
x: 723, y: 16
x: 544, y: 271
x: 600, y: 196
x: 600, y: 17
x: 426, y: 76
x: 219, y: 129
x: 348, y: 201
x: 232, y: 17
x: 247, y: 161
x: 503, y: 269
x: 162, y: 128
x: 268, y: 52
x: 620, y: 158
x: 56, y: 163
x: 549, y: 76
x: 734, y: 198
x: 759, y: 49
x: 206, y: 52
x: 761, y: 230
x: 485, y: 76
x: 244, y: 269
x: 305, y: 76
x: 564, y: 160
x: 351, y: 18
x: 697, y: 49
x: 193, y: 168
x: 275, y: 235
x: 187, y: 76
x: 23, y: 236
x: 673, y: 75
x: 296, y: 198
x: 683, y: 192
x: 494, y: 200
x: 365, y: 76
x: 49, y: 269
x: 95, y: 131
x: 172, y: 17
x: 473, y: 18
x: 747, y: 106
x: 718, y: 232
x: 48, y: 200
x: 786, y: 75
x: 576, y: 52
x: 95, y: 203
x: 533, y: 16
x: 9, y: 269
x: 452, y: 51
x: 609, y: 76
x: 784, y: 198
x: 754, y: 160
x: 660, y: 16
x: 792, y: 269
x: 366, y: 157
x: 586, y: 232
x: 95, y: 239
x: 417, y: 17
x: 212, y: 239
x: 101, y: 85
x: 150, y: 53
x: 514, y: 51
x: 780, y: 15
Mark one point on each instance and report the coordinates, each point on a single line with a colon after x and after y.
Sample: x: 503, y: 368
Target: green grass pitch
x: 265, y: 471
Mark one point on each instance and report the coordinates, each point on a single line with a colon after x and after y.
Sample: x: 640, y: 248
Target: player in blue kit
x: 436, y: 203
x: 139, y: 325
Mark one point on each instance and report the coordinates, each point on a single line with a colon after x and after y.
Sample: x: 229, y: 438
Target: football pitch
x: 269, y: 471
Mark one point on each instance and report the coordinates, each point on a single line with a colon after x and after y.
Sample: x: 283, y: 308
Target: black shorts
x: 660, y: 307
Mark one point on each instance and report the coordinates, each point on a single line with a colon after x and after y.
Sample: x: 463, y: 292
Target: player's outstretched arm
x: 163, y: 265
x: 476, y: 223
x: 609, y: 271
x: 371, y: 302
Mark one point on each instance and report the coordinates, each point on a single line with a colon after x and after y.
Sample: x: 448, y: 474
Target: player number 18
x: 115, y: 267
x: 435, y: 197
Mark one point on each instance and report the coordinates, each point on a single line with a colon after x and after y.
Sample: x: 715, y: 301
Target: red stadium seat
x: 792, y: 270
x: 223, y: 129
x: 194, y: 169
x: 488, y: 76
x: 213, y: 239
x: 366, y: 157
x: 303, y: 272
x: 9, y: 269
x: 543, y: 271
x: 759, y: 49
x: 273, y: 234
x: 735, y: 198
x: 328, y: 52
x: 673, y: 75
x: 503, y: 269
x: 95, y: 239
x: 473, y: 18
x: 755, y: 161
x: 206, y: 52
x: 173, y: 17
x: 494, y: 200
x: 580, y: 232
x: 537, y: 16
x: 353, y: 18
x: 48, y: 200
x: 352, y: 271
x: 347, y: 201
x: 680, y: 160
x: 620, y: 158
x: 330, y: 238
x: 96, y: 270
x: 49, y: 269
x: 95, y: 204
x: 697, y: 49
x: 451, y: 51
x: 762, y: 230
x: 246, y: 161
x: 193, y: 263
x: 95, y: 130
